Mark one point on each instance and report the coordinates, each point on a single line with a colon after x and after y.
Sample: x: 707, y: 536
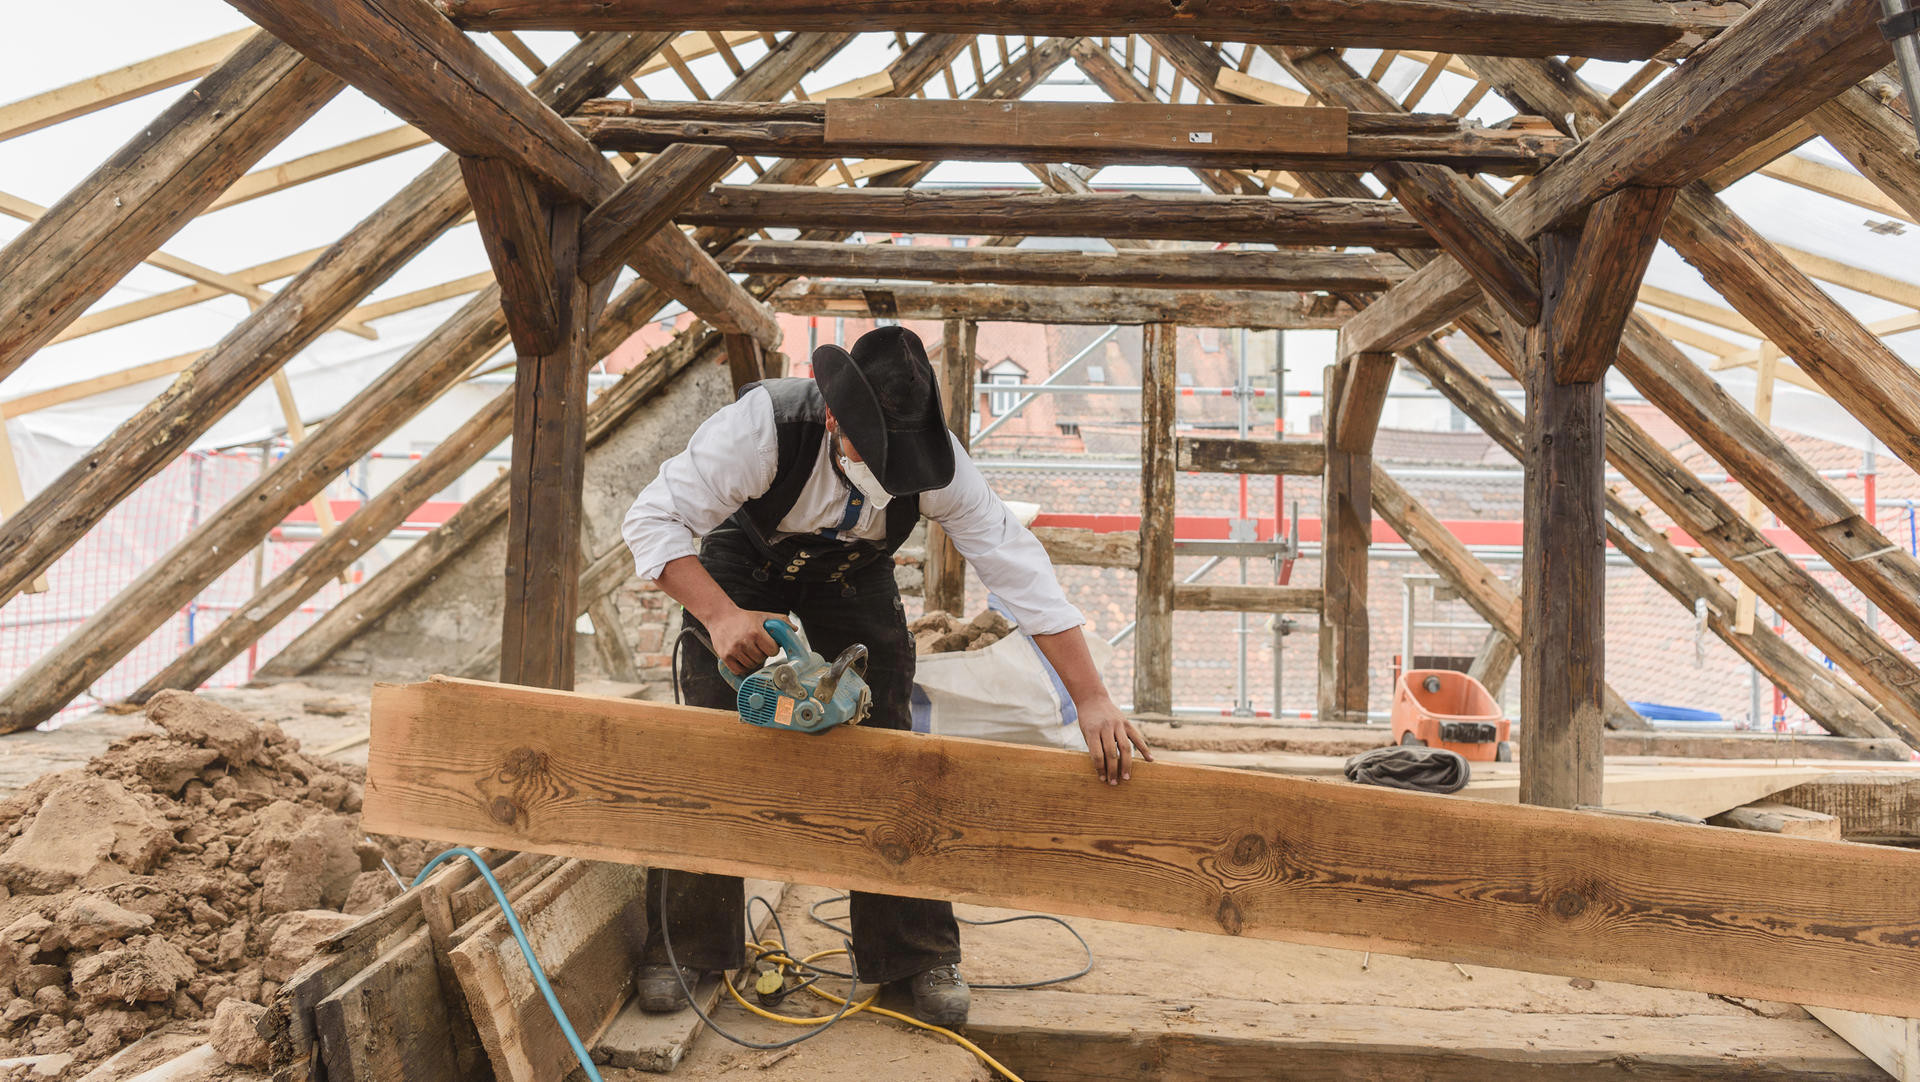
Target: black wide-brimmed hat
x: 885, y: 399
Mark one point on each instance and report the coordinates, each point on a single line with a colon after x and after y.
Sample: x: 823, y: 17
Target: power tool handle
x: 782, y: 633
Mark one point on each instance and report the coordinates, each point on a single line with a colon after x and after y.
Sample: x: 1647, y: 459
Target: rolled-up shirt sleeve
x: 1006, y: 555
x: 730, y: 460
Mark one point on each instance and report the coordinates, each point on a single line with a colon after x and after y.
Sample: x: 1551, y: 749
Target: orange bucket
x: 1441, y: 708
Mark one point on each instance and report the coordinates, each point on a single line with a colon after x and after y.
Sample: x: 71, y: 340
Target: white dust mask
x: 863, y: 479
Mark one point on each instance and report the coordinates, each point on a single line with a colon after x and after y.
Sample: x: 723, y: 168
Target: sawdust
x: 942, y: 632
x: 186, y: 867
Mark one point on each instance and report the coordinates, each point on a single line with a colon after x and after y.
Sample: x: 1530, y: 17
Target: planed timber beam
x: 1093, y: 133
x: 121, y: 84
x: 1832, y: 703
x: 150, y: 188
x: 242, y: 361
x: 1602, y: 896
x: 1278, y: 271
x: 410, y: 59
x: 1063, y: 304
x: 641, y: 302
x: 1141, y: 216
x: 1602, y: 29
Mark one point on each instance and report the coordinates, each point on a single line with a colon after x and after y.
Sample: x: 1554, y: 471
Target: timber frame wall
x: 568, y: 185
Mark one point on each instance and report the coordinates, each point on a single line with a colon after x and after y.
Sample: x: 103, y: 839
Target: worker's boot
x: 656, y: 988
x: 940, y: 996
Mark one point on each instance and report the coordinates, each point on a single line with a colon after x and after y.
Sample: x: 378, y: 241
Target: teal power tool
x: 803, y: 692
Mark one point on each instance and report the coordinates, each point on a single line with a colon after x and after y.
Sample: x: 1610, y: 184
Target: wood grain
x: 1419, y: 305
x: 1346, y: 520
x: 1606, y: 29
x: 1563, y: 570
x: 1134, y: 215
x: 1461, y: 217
x: 1284, y: 271
x: 1063, y: 304
x: 1603, y: 280
x: 1085, y: 548
x: 1232, y: 852
x: 1298, y: 458
x: 1064, y: 128
x: 1153, y: 589
x: 1198, y: 597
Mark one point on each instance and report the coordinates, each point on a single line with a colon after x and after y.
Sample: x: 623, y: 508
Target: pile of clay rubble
x: 942, y: 632
x: 174, y: 881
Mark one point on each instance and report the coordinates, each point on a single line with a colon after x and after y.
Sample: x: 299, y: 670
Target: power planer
x: 803, y: 692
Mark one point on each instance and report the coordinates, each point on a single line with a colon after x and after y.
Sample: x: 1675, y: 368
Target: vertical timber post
x: 1346, y: 531
x: 534, y: 246
x: 1153, y: 596
x: 1563, y: 567
x: 945, y: 577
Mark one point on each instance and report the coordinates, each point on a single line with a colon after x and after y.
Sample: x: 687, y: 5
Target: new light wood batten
x: 1602, y: 29
x: 1223, y: 851
x: 1295, y: 458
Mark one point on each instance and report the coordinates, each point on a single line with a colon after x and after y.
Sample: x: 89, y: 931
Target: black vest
x: 800, y: 418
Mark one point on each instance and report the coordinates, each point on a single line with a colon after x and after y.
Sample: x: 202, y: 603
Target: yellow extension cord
x: 772, y: 952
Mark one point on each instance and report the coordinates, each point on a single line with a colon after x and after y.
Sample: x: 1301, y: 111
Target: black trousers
x: 843, y: 594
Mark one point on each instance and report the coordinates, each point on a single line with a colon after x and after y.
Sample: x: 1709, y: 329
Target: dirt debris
x: 942, y: 632
x: 235, y: 1033
x: 179, y: 875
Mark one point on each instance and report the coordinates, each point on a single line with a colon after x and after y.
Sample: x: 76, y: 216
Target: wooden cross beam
x: 407, y: 57
x: 1146, y: 216
x: 1281, y: 271
x: 1828, y: 700
x: 148, y: 189
x: 1064, y: 304
x: 1096, y: 133
x: 1604, y: 29
x: 1225, y: 851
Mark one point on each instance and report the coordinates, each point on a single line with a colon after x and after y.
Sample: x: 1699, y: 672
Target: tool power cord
x: 776, y: 952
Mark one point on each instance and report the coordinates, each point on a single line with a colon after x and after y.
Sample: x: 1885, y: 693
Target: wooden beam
x: 1888, y: 678
x: 1085, y: 548
x: 422, y: 561
x: 1427, y: 300
x: 1298, y: 458
x: 1478, y: 584
x: 532, y: 769
x: 405, y: 56
x: 1602, y: 280
x: 1563, y: 569
x: 946, y: 572
x: 1892, y: 1043
x: 321, y: 163
x: 148, y: 189
x: 1095, y: 133
x: 1365, y: 378
x: 650, y: 195
x: 746, y: 361
x: 1346, y: 532
x: 1871, y: 807
x: 1769, y: 818
x: 1199, y: 597
x: 1281, y: 271
x: 1153, y: 589
x: 12, y: 495
x: 516, y: 230
x: 1097, y: 1036
x: 1603, y: 29
x: 243, y: 361
x: 1141, y: 216
x: 113, y: 87
x: 1062, y: 304
x: 1865, y: 125
x: 1463, y: 221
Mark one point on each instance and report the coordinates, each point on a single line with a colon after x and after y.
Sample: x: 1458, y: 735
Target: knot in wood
x: 1569, y: 904
x: 1248, y: 850
x: 1232, y: 921
x: 898, y: 843
x: 504, y: 809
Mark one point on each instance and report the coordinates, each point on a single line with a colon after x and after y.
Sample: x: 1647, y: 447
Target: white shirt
x: 733, y: 457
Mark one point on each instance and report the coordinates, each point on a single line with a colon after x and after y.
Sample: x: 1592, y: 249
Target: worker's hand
x: 740, y: 639
x: 1111, y: 740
